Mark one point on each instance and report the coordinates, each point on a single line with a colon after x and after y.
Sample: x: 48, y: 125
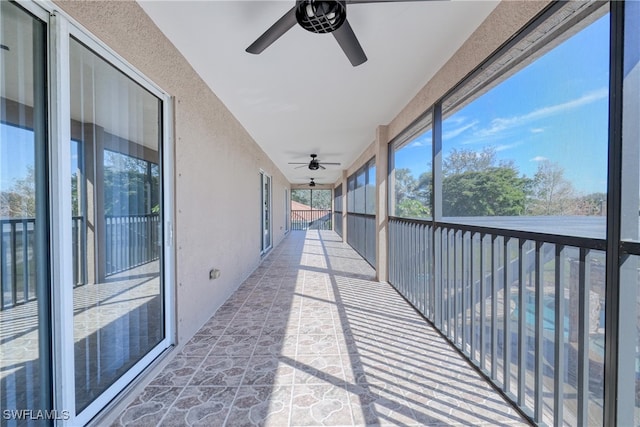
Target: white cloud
x: 501, y: 124
x: 416, y: 144
x: 538, y: 159
x: 455, y: 132
x: 504, y: 147
x: 537, y: 130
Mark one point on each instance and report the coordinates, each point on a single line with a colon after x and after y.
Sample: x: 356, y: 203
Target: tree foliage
x: 317, y: 199
x: 495, y: 191
x: 551, y: 192
x: 412, y: 197
x: 411, y: 208
x: 20, y: 200
x: 463, y: 160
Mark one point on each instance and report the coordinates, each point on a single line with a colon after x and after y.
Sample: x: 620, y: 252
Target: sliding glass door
x: 116, y: 203
x: 82, y: 221
x: 25, y: 356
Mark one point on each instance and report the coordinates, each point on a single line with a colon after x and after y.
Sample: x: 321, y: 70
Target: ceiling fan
x: 314, y: 164
x: 312, y: 183
x: 321, y: 17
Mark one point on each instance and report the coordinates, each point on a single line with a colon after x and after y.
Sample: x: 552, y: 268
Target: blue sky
x: 16, y: 154
x: 555, y: 108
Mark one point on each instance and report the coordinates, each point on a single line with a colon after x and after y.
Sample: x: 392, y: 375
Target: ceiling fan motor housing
x: 321, y: 16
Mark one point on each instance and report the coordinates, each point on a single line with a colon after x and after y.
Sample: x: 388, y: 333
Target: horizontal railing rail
x: 586, y: 242
x: 311, y: 219
x: 526, y: 309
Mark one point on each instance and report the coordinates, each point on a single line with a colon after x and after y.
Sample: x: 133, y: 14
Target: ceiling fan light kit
x: 321, y: 17
x: 314, y: 164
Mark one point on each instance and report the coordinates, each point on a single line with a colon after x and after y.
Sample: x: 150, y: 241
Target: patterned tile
x: 201, y: 406
x: 199, y: 346
x: 220, y: 371
x: 178, y: 372
x: 320, y: 405
x: 235, y: 345
x: 302, y: 344
x: 378, y: 405
x: 257, y: 405
x: 318, y: 344
x: 276, y: 345
x: 149, y: 407
x: 265, y: 370
x: 319, y: 369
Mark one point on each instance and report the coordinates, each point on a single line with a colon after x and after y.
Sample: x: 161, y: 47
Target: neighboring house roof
x: 297, y: 206
x: 301, y: 212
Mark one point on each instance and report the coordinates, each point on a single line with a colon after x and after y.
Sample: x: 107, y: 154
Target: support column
x: 382, y: 219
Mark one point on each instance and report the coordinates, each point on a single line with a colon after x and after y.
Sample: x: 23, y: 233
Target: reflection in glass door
x: 266, y: 210
x: 24, y: 292
x: 116, y: 205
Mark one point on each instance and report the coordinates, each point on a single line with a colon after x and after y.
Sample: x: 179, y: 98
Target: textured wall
x: 217, y: 164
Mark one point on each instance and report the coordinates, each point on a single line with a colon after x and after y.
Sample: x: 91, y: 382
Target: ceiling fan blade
x: 297, y: 163
x: 274, y: 32
x: 298, y: 167
x: 349, y: 43
x: 329, y: 163
x: 321, y: 167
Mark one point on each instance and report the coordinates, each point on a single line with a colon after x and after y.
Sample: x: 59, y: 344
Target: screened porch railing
x: 131, y: 241
x: 361, y: 235
x: 313, y: 219
x: 526, y: 308
x: 17, y: 259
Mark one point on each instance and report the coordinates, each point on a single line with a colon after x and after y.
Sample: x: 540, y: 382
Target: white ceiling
x: 301, y: 95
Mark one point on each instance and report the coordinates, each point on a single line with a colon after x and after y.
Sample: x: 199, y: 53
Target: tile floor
x: 310, y: 339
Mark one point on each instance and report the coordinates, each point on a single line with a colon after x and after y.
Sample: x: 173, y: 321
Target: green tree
x: 460, y: 161
x: 19, y: 201
x: 301, y: 196
x: 410, y: 208
x: 424, y: 190
x: 495, y: 191
x: 412, y: 197
x: 405, y: 184
x: 131, y: 185
x: 321, y: 199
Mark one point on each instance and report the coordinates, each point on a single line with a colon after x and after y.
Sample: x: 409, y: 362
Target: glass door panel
x: 116, y: 204
x: 24, y: 289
